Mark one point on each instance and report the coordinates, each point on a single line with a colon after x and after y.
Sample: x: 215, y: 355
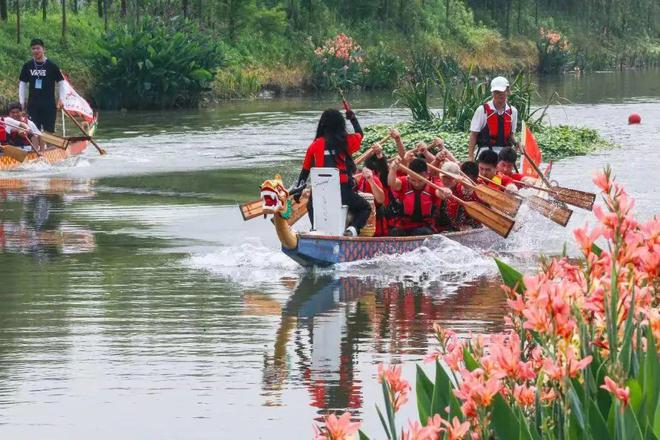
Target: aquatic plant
x: 579, y: 358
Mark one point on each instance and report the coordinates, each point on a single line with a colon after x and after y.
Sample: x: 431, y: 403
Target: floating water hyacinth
x: 579, y: 358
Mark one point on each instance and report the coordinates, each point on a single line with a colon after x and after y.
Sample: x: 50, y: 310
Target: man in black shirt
x: 39, y: 76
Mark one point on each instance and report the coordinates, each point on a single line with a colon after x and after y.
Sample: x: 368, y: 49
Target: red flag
x: 533, y: 151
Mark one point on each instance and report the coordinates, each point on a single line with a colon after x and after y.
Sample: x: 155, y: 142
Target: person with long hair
x: 333, y: 147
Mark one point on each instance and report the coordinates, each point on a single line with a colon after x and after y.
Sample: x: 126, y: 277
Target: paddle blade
x: 498, y: 199
x: 251, y: 209
x: 581, y: 199
x: 17, y: 154
x: 494, y: 220
x: 554, y: 211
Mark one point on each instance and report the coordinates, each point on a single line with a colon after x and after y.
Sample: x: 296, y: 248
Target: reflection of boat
x: 17, y: 237
x: 51, y: 155
x: 70, y: 188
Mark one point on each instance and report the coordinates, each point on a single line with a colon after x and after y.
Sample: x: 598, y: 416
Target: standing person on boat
x: 36, y: 88
x: 333, y: 147
x: 417, y: 199
x: 487, y: 163
x: 20, y: 131
x: 493, y: 123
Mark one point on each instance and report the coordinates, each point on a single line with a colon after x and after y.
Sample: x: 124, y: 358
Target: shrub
x: 553, y: 51
x: 337, y: 63
x: 382, y: 68
x: 579, y: 359
x: 163, y: 65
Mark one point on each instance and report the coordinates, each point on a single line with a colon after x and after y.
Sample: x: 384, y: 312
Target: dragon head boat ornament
x: 274, y: 196
x: 275, y: 200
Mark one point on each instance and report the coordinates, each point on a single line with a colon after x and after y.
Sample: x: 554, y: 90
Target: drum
x: 369, y: 229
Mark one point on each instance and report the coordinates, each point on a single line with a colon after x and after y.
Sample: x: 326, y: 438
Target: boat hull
x: 323, y: 250
x: 52, y: 155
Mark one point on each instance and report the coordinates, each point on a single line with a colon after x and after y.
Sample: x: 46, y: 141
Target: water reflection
x: 31, y: 219
x: 328, y: 321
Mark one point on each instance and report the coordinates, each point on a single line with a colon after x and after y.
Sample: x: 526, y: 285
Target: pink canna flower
x: 455, y: 430
x: 524, y: 395
x: 337, y: 428
x: 399, y: 387
x: 419, y: 432
x: 622, y: 394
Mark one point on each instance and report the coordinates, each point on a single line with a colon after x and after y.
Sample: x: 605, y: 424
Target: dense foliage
x: 578, y: 359
x: 164, y: 65
x: 271, y: 43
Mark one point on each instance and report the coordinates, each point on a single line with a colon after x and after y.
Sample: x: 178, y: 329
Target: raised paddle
x: 581, y: 199
x: 554, y: 211
x: 364, y: 156
x: 498, y: 222
x: 83, y: 131
x: 505, y: 202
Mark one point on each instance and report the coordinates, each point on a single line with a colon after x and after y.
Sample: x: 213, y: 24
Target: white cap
x: 499, y: 84
x: 451, y: 167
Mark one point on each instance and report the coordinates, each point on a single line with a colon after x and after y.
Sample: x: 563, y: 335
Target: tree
x: 63, y: 21
x: 18, y: 22
x: 185, y: 8
x: 4, y: 16
x: 44, y: 9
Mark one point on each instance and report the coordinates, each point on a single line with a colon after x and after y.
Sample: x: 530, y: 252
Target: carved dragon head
x: 273, y: 195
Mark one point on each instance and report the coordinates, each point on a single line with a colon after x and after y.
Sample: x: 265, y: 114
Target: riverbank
x: 303, y: 59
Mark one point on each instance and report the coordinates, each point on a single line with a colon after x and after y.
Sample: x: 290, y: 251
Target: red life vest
x: 497, y: 131
x: 381, y: 219
x: 3, y: 131
x: 407, y: 197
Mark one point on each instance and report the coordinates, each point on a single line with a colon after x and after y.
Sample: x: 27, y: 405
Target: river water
x: 137, y: 304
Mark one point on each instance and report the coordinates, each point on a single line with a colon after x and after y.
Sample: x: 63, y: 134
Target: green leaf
x: 382, y: 421
x: 597, y: 423
x: 510, y: 276
x: 576, y: 407
x: 596, y: 250
x: 650, y: 382
x: 424, y: 390
x: 470, y: 363
x: 505, y: 423
x: 626, y: 346
x: 362, y: 435
x: 442, y: 392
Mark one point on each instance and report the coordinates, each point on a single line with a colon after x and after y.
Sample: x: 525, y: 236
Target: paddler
x: 20, y: 131
x: 506, y: 165
x: 333, y: 147
x: 417, y: 198
x: 493, y: 123
x: 487, y: 163
x: 36, y: 88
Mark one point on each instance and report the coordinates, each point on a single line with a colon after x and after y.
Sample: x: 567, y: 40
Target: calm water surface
x: 137, y: 304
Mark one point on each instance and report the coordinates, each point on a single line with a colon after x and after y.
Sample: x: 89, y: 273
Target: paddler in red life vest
x: 19, y: 130
x: 333, y: 147
x: 494, y: 123
x: 369, y: 182
x: 487, y: 163
x: 417, y: 199
x: 506, y: 166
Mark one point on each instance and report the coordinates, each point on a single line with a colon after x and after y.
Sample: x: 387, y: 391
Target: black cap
x: 37, y: 42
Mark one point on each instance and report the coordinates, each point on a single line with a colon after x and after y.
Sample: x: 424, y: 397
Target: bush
x: 161, y: 65
x: 553, y: 51
x: 338, y: 63
x: 231, y: 83
x: 382, y: 68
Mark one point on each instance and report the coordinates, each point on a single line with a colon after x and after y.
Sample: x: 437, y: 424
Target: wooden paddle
x: 18, y: 154
x: 498, y: 222
x: 581, y: 199
x: 554, y: 211
x: 83, y: 131
x: 505, y: 202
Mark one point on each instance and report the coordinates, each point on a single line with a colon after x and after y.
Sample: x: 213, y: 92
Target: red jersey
x: 499, y: 179
x: 381, y: 221
x: 407, y: 196
x: 316, y: 153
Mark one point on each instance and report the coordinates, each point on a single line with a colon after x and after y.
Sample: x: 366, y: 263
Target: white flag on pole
x: 75, y: 104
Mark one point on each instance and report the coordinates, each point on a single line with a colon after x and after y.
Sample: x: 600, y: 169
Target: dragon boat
x: 327, y: 246
x: 70, y: 146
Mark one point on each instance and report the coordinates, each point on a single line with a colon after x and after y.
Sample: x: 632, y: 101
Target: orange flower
x: 524, y: 395
x: 399, y: 387
x: 622, y: 394
x: 337, y: 428
x: 455, y: 430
